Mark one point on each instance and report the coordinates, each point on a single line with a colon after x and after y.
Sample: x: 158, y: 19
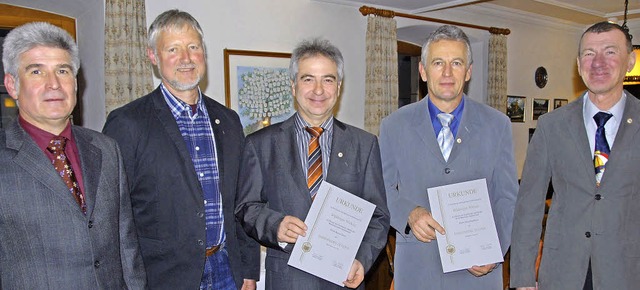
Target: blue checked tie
x: 601, y: 154
x: 445, y: 137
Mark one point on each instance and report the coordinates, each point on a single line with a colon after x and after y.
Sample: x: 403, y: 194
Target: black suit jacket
x: 167, y: 198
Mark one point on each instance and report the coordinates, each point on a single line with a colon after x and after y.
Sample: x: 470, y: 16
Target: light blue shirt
x: 610, y: 128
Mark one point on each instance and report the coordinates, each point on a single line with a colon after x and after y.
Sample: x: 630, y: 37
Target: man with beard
x: 181, y: 152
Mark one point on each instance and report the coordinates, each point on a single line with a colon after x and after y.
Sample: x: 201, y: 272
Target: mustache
x: 187, y: 66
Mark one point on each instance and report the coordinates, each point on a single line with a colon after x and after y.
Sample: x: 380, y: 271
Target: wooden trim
x: 13, y: 16
x: 366, y: 10
x: 408, y: 48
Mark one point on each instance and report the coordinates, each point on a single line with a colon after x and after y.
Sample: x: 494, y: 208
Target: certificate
x: 336, y: 224
x: 464, y: 211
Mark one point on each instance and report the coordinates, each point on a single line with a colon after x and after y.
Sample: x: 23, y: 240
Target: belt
x: 210, y: 251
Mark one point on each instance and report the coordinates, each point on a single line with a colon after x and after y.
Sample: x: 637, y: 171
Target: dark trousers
x: 588, y: 282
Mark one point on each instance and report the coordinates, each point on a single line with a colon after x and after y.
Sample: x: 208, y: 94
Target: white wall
x: 277, y: 26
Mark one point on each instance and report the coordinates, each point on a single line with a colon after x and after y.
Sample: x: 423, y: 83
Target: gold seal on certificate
x: 464, y: 211
x: 306, y: 247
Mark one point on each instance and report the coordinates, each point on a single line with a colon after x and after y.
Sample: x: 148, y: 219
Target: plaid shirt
x: 198, y: 136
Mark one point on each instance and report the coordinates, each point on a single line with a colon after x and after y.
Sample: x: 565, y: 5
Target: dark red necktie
x: 63, y: 167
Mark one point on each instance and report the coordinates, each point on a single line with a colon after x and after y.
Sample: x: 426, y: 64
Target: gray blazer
x: 272, y: 185
x: 412, y: 163
x: 585, y: 222
x: 45, y: 240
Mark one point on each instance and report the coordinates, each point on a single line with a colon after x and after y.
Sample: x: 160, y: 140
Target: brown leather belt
x: 210, y: 251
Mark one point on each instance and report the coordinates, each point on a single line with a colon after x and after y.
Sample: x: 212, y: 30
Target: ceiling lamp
x: 632, y: 77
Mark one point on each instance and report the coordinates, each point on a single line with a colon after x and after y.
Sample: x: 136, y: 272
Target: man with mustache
x: 181, y: 152
x: 65, y: 212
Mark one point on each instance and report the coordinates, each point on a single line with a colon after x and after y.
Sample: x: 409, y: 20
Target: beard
x: 181, y: 86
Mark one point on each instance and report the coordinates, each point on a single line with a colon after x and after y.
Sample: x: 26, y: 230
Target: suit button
x: 96, y: 264
x: 200, y: 242
x: 199, y: 214
x: 598, y: 197
x: 587, y: 234
x: 90, y: 224
x: 447, y: 171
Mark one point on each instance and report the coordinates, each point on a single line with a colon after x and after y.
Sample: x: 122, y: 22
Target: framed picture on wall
x: 516, y: 108
x: 257, y: 86
x: 557, y: 103
x: 539, y: 108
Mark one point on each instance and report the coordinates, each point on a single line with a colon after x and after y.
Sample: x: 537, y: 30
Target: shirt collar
x: 178, y: 107
x: 617, y: 110
x: 300, y: 123
x: 42, y: 137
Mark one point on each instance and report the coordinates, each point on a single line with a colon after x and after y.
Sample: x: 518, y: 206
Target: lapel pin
x: 217, y: 121
x: 459, y: 140
x: 629, y: 121
x: 340, y: 154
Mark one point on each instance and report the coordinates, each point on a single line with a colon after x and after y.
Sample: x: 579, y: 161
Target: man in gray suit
x: 591, y: 239
x: 68, y: 225
x: 274, y: 191
x: 412, y: 161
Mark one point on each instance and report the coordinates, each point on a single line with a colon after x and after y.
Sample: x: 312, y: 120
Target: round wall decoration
x: 541, y: 77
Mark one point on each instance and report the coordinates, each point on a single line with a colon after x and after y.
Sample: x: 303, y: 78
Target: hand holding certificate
x: 336, y: 225
x: 464, y: 210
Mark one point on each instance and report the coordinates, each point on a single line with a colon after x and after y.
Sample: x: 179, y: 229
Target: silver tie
x: 445, y: 137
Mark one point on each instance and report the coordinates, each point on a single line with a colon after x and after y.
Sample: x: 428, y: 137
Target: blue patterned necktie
x: 445, y: 137
x: 601, y: 154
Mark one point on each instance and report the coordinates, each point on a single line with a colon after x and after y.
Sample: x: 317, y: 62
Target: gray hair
x: 606, y: 26
x: 173, y: 19
x: 34, y: 34
x: 315, y: 47
x: 447, y: 32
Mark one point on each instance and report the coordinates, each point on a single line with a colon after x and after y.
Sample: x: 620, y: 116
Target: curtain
x: 381, y: 83
x: 128, y: 73
x: 497, y: 96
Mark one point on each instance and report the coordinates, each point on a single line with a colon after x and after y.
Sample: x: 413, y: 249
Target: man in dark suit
x: 591, y: 238
x: 67, y: 225
x: 274, y: 195
x: 181, y: 152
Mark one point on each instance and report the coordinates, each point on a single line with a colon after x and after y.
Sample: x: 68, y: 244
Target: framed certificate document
x: 464, y: 211
x: 336, y: 225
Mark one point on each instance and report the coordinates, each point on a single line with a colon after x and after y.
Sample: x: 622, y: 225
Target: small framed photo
x: 557, y: 103
x: 539, y: 108
x: 516, y: 108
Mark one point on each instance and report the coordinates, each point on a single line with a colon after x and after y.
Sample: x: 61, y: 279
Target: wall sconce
x: 633, y: 77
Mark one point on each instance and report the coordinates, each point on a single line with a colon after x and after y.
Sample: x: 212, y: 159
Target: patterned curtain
x: 128, y: 73
x: 381, y: 84
x: 497, y: 96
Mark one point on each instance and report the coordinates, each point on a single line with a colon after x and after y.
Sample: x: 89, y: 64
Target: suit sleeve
x: 375, y: 238
x: 527, y: 225
x: 399, y: 207
x: 132, y: 265
x: 504, y: 186
x: 119, y: 128
x: 260, y: 222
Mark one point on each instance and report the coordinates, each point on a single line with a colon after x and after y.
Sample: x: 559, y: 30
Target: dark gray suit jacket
x: 168, y: 203
x: 585, y: 222
x: 272, y: 184
x: 45, y: 240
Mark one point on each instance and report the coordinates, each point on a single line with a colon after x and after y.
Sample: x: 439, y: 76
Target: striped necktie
x: 601, y: 154
x: 314, y: 171
x: 445, y: 137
